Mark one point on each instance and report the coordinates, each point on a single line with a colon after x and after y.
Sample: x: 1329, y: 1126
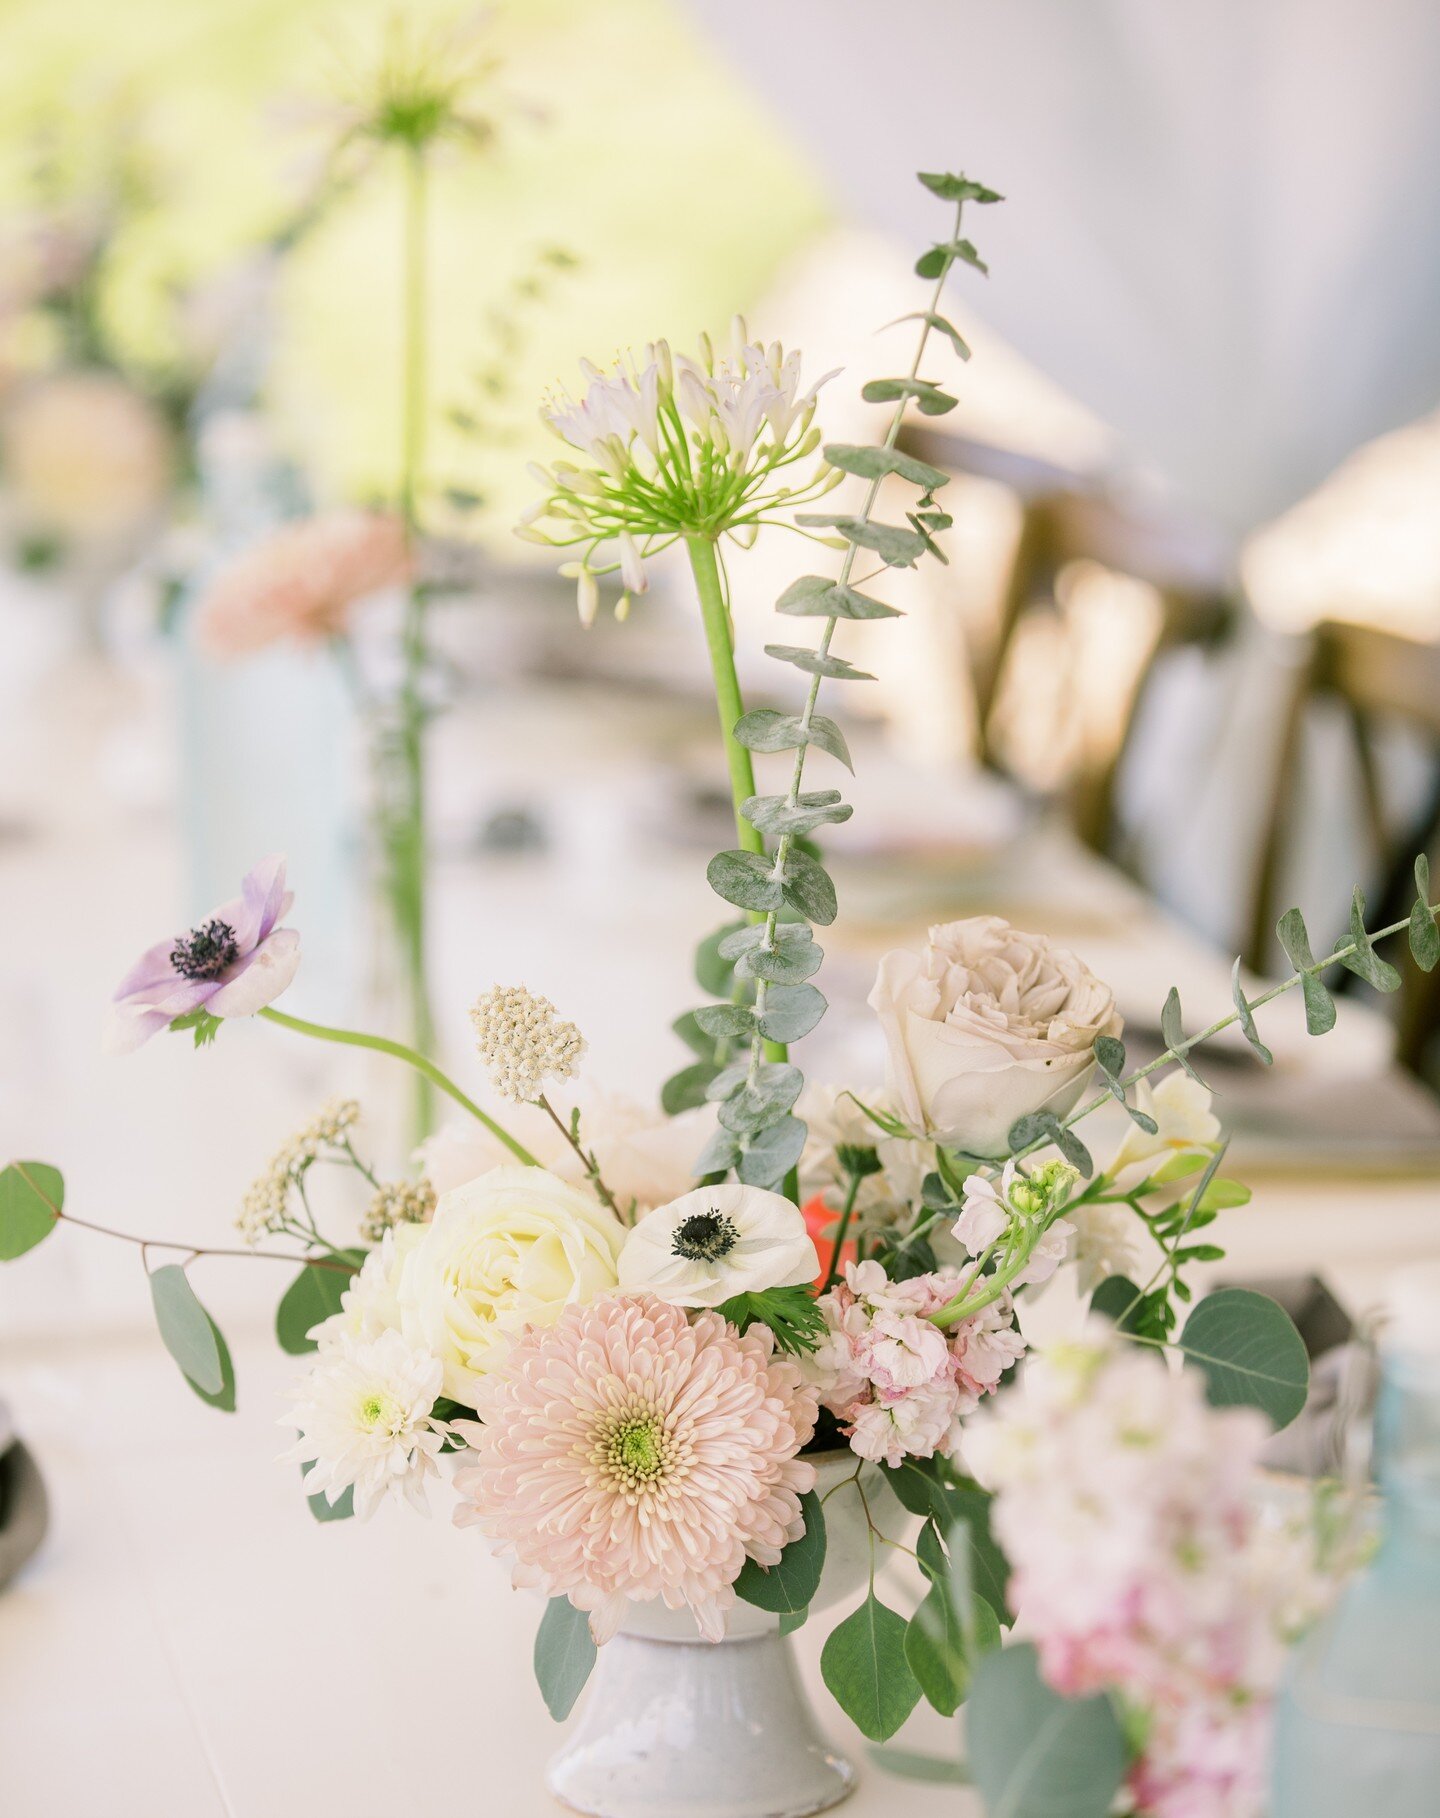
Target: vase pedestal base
x: 696, y: 1729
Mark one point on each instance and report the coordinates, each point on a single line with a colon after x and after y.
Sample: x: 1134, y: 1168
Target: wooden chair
x: 1068, y: 517
x: 1378, y: 680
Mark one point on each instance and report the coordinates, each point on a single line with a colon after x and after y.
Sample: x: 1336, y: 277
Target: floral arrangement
x: 634, y: 1335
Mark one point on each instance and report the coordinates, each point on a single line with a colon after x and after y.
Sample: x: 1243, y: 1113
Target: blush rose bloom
x: 509, y: 1250
x: 984, y: 1026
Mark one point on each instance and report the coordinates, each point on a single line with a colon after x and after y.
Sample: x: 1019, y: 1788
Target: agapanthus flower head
x: 523, y: 1041
x: 419, y: 88
x: 363, y: 1413
x: 300, y: 582
x: 231, y: 964
x: 628, y: 1453
x: 673, y: 446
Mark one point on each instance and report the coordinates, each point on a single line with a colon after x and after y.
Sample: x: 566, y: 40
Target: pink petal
x: 260, y: 977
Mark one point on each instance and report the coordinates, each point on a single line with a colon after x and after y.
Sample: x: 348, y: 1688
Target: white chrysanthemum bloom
x: 523, y: 1042
x: 1180, y: 1107
x: 674, y: 447
x: 710, y: 1245
x: 371, y: 1303
x: 363, y: 1414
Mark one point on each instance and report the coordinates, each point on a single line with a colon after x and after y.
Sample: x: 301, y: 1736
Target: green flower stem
x: 787, y: 840
x: 963, y: 1306
x: 842, y: 1231
x: 355, y: 1038
x: 715, y: 615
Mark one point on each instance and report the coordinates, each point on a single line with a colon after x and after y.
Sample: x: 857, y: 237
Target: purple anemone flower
x: 232, y: 964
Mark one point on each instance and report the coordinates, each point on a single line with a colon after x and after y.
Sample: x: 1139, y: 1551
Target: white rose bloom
x: 986, y: 1025
x: 511, y: 1249
x: 1181, y: 1109
x: 363, y: 1414
x: 717, y: 1242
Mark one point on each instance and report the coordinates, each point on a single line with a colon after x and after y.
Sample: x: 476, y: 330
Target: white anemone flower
x: 710, y: 1245
x: 363, y: 1414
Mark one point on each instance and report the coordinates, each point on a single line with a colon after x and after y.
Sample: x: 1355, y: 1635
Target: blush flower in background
x: 301, y: 582
x: 233, y: 963
x: 1143, y: 1565
x: 717, y: 1242
x: 986, y: 1025
x: 86, y: 456
x: 628, y: 1454
x: 899, y: 1385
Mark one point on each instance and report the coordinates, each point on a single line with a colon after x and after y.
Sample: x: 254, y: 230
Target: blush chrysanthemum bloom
x: 627, y: 1453
x: 301, y: 581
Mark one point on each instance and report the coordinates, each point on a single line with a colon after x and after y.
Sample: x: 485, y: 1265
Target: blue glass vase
x: 1358, y: 1721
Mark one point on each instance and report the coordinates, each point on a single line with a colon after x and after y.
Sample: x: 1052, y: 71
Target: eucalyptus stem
x: 355, y: 1038
x: 812, y: 696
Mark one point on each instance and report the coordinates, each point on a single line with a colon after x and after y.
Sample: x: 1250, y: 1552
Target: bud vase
x: 677, y: 1727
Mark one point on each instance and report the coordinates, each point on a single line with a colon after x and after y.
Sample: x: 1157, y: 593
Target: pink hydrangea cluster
x: 899, y: 1384
x: 1143, y: 1565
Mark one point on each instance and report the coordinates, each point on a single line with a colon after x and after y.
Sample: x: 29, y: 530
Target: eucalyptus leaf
x: 813, y: 808
x: 751, y: 936
x: 1365, y: 962
x: 790, y: 1012
x: 938, y: 260
x: 321, y: 1507
x: 1172, y: 1028
x: 814, y: 596
x: 875, y: 463
x: 863, y: 1663
x: 929, y: 398
x: 788, y: 965
x: 1250, y: 1352
x: 1247, y: 1019
x: 1424, y: 933
x: 693, y: 1036
x: 222, y: 1398
x: 956, y: 188
x: 686, y: 1090
x: 813, y: 662
x: 713, y: 972
x: 767, y: 729
x: 1034, y: 1754
x: 754, y: 1105
x: 564, y: 1655
x: 929, y: 1770
x: 1043, y: 1126
x: 313, y: 1296
x: 770, y: 1157
x: 941, y: 326
x: 186, y: 1328
x: 935, y: 1651
x: 746, y: 879
x: 726, y: 1021
x: 788, y: 1588
x: 719, y: 1155
x: 1119, y: 1300
x: 808, y: 889
x: 1290, y: 931
x: 791, y: 1622
x: 32, y: 1195
x: 1110, y: 1054
x: 896, y: 547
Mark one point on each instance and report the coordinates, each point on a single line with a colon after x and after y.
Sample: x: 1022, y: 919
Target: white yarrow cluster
x: 397, y: 1202
x: 266, y: 1204
x: 523, y: 1042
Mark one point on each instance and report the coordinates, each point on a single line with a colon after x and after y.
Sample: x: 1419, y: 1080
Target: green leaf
x: 746, y: 879
x: 935, y: 1650
x: 792, y: 1624
x: 788, y: 1588
x: 874, y: 463
x: 1110, y: 1055
x: 693, y: 1036
x: 1172, y: 1028
x: 774, y: 1091
x: 940, y: 325
x: 955, y: 188
x: 813, y: 808
x: 1034, y: 1754
x: 1044, y: 1126
x: 941, y: 257
x: 966, y: 1507
x: 813, y: 662
x: 795, y: 1321
x: 896, y: 547
x: 863, y: 1663
x: 713, y: 971
x: 726, y: 1022
x: 788, y: 965
x: 1247, y: 1020
x: 769, y: 1158
x: 813, y: 596
x: 791, y: 1011
x: 1319, y: 1005
x: 931, y: 400
x: 313, y: 1296
x: 686, y: 1090
x: 1250, y: 1352
x: 32, y: 1195
x: 342, y: 1509
x: 1365, y: 962
x: 719, y: 1155
x: 224, y: 1397
x: 1424, y: 934
x: 808, y: 890
x: 564, y: 1654
x: 1119, y: 1300
x: 767, y: 729
x: 906, y: 1764
x: 201, y: 1023
x: 186, y: 1328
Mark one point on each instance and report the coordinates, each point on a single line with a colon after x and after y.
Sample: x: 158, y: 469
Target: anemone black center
x: 206, y: 951
x: 705, y: 1238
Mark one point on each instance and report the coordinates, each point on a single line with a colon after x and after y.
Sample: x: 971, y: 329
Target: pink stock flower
x: 232, y: 964
x: 627, y: 1453
x: 301, y: 581
x: 900, y: 1385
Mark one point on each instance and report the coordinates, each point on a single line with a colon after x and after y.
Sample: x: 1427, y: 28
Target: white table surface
x: 189, y: 1642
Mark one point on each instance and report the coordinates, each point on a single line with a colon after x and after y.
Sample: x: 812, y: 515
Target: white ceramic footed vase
x: 676, y: 1727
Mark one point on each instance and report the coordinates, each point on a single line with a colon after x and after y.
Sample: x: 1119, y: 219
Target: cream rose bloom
x: 984, y: 1026
x: 509, y: 1250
